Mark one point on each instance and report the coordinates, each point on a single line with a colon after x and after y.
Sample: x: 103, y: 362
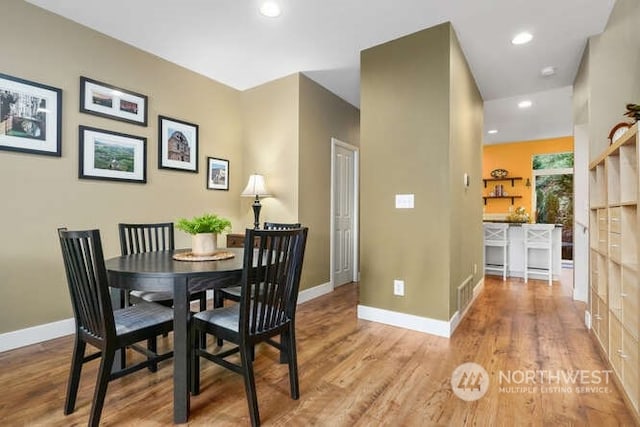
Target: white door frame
x: 356, y: 209
x: 581, y: 213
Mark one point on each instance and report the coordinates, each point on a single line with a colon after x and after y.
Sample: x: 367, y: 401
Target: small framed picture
x: 217, y: 174
x: 178, y: 145
x: 30, y: 117
x: 105, y: 100
x: 112, y: 156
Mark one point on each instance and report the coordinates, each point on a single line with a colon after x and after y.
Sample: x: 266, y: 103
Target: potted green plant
x: 204, y: 232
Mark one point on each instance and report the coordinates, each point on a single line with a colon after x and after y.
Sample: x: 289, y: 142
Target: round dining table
x: 159, y: 271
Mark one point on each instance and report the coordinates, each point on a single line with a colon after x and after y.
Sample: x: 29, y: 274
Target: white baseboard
x: 48, y: 331
x: 36, y: 334
x: 315, y: 292
x: 441, y: 328
x: 403, y: 320
x: 587, y: 319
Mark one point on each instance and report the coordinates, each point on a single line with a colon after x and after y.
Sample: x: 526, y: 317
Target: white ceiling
x: 229, y: 41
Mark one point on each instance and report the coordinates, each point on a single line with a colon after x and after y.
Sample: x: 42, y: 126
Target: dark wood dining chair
x: 96, y: 321
x: 233, y: 293
x: 270, y: 283
x: 142, y: 238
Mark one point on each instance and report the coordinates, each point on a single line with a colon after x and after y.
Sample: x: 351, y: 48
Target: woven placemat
x: 189, y: 256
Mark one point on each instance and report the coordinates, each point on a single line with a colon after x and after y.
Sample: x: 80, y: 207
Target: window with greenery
x: 553, y: 200
x: 553, y: 161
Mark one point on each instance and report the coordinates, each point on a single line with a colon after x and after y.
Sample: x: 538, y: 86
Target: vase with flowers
x: 518, y: 215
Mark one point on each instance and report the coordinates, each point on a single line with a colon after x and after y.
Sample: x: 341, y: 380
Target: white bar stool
x: 538, y: 238
x: 496, y: 235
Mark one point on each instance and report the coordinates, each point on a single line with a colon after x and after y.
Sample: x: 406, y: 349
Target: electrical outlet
x: 475, y: 268
x: 398, y: 287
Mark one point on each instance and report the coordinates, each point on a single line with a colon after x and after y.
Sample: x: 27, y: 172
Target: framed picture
x: 105, y: 100
x: 30, y: 117
x: 112, y: 156
x: 217, y: 174
x: 178, y: 145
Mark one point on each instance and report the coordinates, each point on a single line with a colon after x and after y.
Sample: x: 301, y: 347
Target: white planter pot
x: 204, y: 244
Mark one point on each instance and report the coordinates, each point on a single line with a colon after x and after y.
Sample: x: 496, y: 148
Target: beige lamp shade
x: 255, y: 187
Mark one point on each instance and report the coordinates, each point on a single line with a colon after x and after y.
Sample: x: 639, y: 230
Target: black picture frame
x: 111, y: 156
x: 177, y: 145
x: 30, y: 117
x: 106, y: 100
x: 217, y: 174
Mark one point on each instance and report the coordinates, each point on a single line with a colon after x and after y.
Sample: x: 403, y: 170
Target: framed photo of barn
x: 30, y: 117
x: 217, y: 174
x: 177, y: 145
x: 112, y: 156
x: 105, y: 100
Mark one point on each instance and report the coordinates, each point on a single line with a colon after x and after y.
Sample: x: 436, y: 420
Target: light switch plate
x: 398, y: 287
x: 404, y: 201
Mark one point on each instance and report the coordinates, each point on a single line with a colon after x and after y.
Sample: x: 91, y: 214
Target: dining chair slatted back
x: 140, y: 238
x: 280, y: 225
x: 87, y: 281
x: 153, y: 237
x: 267, y: 308
x: 233, y: 293
x: 98, y: 324
x: 269, y: 291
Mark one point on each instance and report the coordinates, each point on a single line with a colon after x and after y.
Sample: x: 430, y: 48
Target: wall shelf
x: 501, y: 197
x: 513, y: 180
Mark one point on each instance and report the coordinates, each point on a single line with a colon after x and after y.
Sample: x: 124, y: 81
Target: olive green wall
x: 322, y: 116
x: 288, y: 126
x: 270, y: 147
x: 405, y: 136
x: 257, y: 131
x: 466, y: 115
x: 610, y: 76
x: 41, y: 193
x: 421, y: 124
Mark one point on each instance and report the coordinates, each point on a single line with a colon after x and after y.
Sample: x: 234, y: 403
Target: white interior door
x: 344, y: 213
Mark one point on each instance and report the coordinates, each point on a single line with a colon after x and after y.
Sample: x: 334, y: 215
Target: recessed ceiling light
x: 548, y: 71
x: 493, y: 131
x: 270, y: 9
x: 522, y: 38
x: 525, y: 104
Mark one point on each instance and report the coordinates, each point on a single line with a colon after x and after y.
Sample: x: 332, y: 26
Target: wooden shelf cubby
x: 614, y: 226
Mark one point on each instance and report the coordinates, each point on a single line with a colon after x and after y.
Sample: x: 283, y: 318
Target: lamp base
x: 256, y: 213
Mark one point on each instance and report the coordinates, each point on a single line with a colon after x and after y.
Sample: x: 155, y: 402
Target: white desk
x: 516, y: 253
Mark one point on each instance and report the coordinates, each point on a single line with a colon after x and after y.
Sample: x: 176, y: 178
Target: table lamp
x: 255, y: 188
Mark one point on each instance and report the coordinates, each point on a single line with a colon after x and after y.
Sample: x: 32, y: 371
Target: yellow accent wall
x: 516, y: 157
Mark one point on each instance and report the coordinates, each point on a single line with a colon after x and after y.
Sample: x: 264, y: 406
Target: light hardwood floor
x: 352, y: 372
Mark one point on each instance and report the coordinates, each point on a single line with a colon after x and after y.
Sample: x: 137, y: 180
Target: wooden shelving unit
x: 614, y: 290
x: 501, y: 197
x: 513, y: 180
